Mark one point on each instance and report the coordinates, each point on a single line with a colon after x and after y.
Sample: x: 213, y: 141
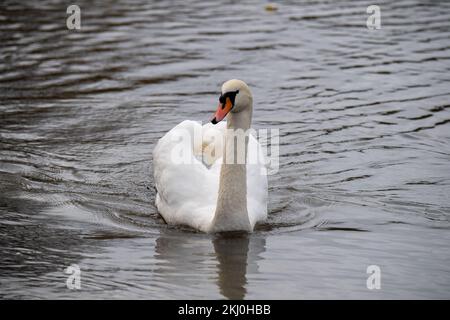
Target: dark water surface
x: 364, y: 122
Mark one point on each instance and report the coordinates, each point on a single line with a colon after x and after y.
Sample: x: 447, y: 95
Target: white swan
x: 200, y: 189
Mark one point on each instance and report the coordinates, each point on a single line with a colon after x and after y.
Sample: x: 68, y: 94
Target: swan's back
x: 187, y: 181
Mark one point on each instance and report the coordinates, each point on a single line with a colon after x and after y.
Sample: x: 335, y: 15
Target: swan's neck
x: 231, y: 210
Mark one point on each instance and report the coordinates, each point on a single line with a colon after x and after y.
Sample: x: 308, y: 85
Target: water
x: 364, y: 174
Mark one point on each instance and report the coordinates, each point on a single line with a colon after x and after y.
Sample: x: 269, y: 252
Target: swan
x: 205, y: 190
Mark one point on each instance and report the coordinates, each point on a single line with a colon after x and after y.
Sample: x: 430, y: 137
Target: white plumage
x: 187, y: 192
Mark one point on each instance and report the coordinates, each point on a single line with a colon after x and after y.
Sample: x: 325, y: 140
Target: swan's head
x: 235, y: 97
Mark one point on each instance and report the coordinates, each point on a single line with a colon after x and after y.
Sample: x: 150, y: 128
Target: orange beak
x: 222, y: 111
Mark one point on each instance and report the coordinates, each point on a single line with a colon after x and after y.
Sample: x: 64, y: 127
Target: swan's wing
x: 187, y: 189
x: 211, y: 149
x: 187, y: 177
x: 257, y: 188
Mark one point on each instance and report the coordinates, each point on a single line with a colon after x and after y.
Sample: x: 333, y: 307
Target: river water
x: 364, y: 167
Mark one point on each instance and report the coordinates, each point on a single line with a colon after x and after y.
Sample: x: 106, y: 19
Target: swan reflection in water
x: 198, y: 260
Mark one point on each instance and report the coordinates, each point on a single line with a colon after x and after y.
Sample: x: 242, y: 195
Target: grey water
x: 364, y: 167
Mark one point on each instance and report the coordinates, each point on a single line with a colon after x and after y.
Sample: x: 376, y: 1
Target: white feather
x: 187, y: 192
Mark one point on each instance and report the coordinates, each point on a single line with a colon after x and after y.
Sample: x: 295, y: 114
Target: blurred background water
x: 364, y: 174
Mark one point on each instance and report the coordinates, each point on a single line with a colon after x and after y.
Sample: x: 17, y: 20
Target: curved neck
x: 231, y: 209
x: 241, y: 120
